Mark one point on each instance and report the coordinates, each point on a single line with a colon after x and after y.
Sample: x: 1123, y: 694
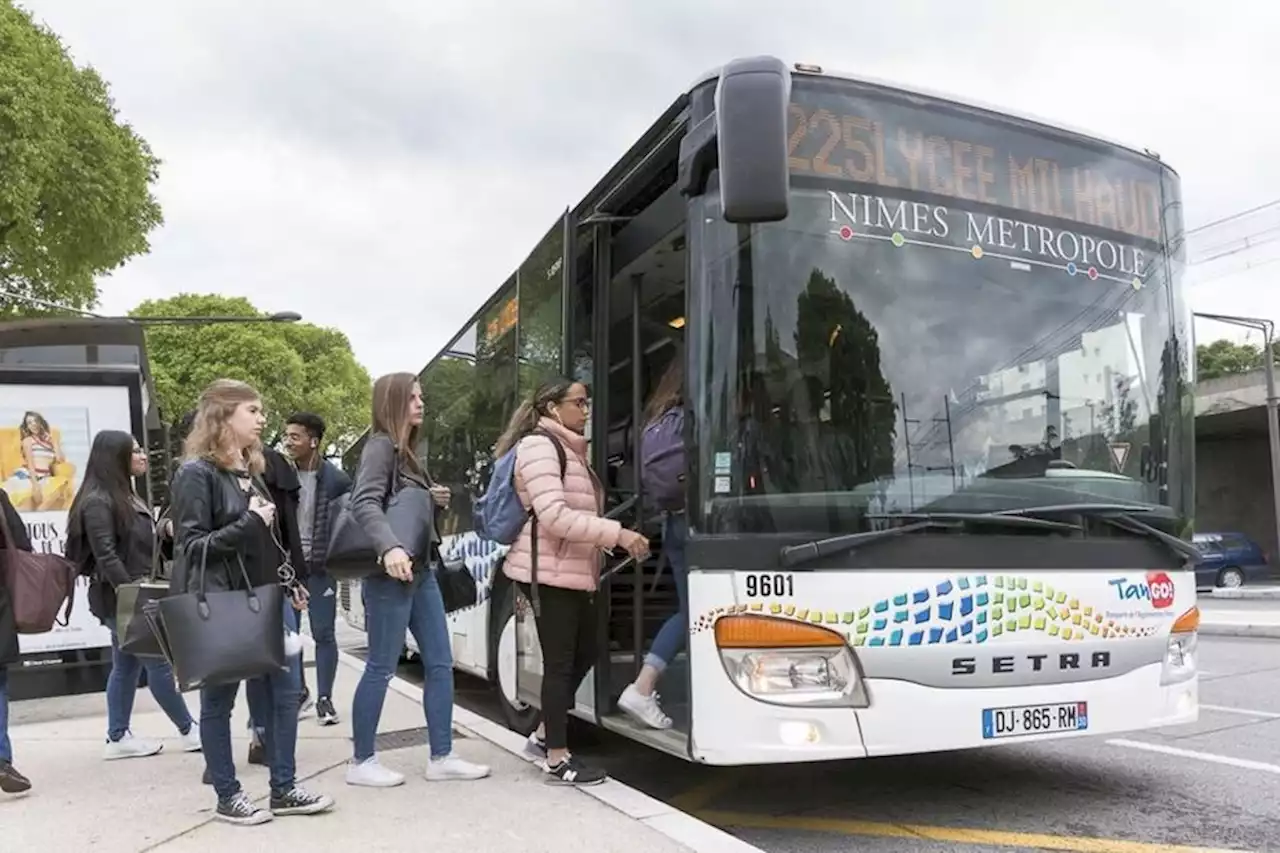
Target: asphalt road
x: 1214, y: 785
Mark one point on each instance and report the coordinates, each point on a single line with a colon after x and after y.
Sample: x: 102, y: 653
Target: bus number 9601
x: 770, y: 586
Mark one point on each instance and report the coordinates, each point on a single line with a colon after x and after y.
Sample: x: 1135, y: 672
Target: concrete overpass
x: 1233, y: 469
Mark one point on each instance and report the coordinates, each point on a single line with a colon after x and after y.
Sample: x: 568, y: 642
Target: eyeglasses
x: 581, y: 402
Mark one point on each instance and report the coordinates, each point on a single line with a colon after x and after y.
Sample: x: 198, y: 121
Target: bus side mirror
x: 751, y: 116
x: 746, y: 140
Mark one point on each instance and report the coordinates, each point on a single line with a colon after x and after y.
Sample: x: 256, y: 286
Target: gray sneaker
x: 241, y: 810
x: 298, y: 801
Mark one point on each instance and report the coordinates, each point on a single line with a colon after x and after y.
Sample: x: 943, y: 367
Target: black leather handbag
x: 410, y: 512
x: 134, y: 631
x: 457, y: 588
x: 222, y: 637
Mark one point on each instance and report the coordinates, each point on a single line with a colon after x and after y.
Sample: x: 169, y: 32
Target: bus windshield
x: 961, y: 312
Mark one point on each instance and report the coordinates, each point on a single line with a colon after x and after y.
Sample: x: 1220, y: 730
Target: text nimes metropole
x: 984, y: 235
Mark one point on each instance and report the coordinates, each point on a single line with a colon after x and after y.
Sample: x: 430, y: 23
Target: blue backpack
x: 662, y: 460
x: 498, y: 514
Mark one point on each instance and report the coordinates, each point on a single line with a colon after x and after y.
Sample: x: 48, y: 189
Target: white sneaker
x: 452, y: 767
x: 370, y: 774
x: 130, y: 747
x: 191, y: 740
x: 643, y: 709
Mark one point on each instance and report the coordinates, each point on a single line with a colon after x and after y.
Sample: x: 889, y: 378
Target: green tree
x: 295, y: 366
x: 75, y: 181
x: 1223, y: 358
x: 840, y: 350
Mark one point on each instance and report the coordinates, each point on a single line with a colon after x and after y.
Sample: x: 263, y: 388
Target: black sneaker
x: 300, y: 801
x: 241, y: 810
x: 572, y: 772
x: 325, y: 713
x: 11, y: 781
x: 257, y: 753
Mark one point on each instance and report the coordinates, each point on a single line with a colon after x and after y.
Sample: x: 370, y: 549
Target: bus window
x: 448, y: 441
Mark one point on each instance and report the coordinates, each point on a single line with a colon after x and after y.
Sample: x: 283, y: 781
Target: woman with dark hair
x: 222, y: 512
x: 112, y: 527
x: 11, y: 781
x: 405, y: 596
x: 572, y: 536
x: 664, y: 449
x: 40, y: 450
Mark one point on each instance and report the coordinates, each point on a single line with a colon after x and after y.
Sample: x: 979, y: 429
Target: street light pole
x: 277, y: 317
x: 1273, y: 424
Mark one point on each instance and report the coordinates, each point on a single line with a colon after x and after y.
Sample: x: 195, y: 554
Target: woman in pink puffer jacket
x: 572, y: 533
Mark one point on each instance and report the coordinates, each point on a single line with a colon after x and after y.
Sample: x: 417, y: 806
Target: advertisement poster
x: 45, y: 435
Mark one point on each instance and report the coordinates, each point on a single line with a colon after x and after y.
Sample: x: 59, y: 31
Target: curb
x: 1241, y: 629
x: 1255, y: 594
x: 681, y: 827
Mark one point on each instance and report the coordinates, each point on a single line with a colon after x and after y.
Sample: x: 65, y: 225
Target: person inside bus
x: 112, y: 528
x: 405, y: 596
x: 663, y: 454
x: 218, y: 506
x: 572, y: 534
x: 11, y: 781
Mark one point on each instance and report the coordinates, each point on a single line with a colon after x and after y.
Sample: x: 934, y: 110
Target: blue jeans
x: 257, y: 691
x: 391, y: 608
x: 323, y: 614
x: 122, y: 688
x: 674, y: 633
x: 6, y: 747
x: 278, y: 698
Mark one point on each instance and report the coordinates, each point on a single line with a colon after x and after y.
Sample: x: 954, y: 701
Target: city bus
x: 938, y: 411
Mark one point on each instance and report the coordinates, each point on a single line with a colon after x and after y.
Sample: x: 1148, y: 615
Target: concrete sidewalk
x: 158, y: 803
x: 1260, y: 592
x: 1243, y: 612
x: 1240, y: 623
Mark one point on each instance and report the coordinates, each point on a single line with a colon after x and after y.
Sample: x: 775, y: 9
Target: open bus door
x: 624, y: 315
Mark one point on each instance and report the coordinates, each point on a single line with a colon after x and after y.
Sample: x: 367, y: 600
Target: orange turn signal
x: 1187, y: 622
x: 747, y: 631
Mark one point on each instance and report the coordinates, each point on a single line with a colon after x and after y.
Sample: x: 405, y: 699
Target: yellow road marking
x: 955, y: 835
x: 699, y: 796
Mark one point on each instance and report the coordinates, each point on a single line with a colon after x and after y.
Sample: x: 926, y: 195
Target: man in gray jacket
x: 322, y: 483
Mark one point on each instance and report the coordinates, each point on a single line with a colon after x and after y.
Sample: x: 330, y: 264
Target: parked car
x: 1228, y: 560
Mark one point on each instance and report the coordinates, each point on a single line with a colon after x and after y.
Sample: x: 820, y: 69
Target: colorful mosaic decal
x: 479, y: 556
x: 965, y: 609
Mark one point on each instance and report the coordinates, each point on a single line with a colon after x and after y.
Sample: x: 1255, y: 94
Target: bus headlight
x: 789, y: 663
x: 1180, y: 653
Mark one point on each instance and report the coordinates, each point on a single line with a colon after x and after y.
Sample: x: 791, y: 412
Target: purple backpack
x: 662, y: 465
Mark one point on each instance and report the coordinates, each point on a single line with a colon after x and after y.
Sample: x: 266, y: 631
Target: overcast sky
x: 383, y: 166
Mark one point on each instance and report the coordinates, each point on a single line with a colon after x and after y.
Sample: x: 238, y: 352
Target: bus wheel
x: 519, y: 716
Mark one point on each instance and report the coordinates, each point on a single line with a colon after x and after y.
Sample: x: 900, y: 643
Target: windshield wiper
x: 1119, y: 516
x: 795, y: 555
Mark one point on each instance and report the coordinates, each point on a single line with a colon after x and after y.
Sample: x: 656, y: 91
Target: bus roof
x: 807, y: 70
x: 666, y: 127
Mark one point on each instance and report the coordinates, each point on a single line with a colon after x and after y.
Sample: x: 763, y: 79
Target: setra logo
x: 1157, y: 588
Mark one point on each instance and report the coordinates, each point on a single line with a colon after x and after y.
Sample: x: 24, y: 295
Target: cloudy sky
x: 383, y: 166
